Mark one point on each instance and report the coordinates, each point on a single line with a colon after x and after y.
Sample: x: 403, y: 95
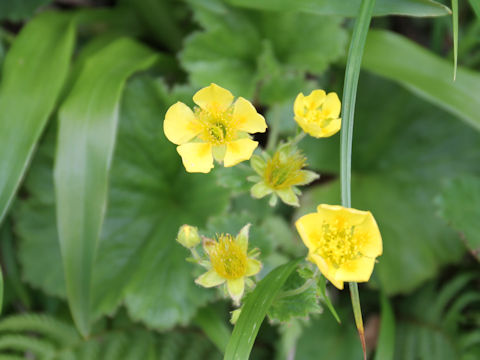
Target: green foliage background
x: 83, y: 93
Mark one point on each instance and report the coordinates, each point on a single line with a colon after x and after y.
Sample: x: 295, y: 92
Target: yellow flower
x: 230, y: 263
x: 218, y: 128
x: 318, y: 113
x: 280, y: 175
x: 342, y: 242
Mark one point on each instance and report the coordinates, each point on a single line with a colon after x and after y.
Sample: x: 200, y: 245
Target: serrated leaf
x: 254, y: 310
x: 401, y: 153
x: 288, y: 307
x: 30, y: 87
x: 459, y: 205
x: 138, y: 262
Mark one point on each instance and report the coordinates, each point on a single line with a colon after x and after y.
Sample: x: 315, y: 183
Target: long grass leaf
x: 33, y: 75
x: 352, y: 72
x: 254, y: 311
x: 455, y: 36
x: 386, y: 339
x: 87, y: 128
x: 397, y: 58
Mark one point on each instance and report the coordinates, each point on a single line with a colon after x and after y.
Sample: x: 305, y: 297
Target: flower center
x: 217, y: 127
x: 228, y: 259
x: 339, y: 243
x: 283, y: 171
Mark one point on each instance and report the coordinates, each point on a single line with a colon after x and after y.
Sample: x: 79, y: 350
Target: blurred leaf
x: 273, y: 50
x: 254, y: 310
x: 397, y: 58
x: 138, y: 262
x: 455, y: 36
x: 287, y: 306
x: 402, y: 150
x: 1, y: 291
x: 33, y: 74
x: 87, y: 130
x: 350, y: 7
x: 324, y: 337
x: 214, y: 326
x: 16, y: 10
x: 475, y: 4
x: 459, y: 205
x: 386, y: 339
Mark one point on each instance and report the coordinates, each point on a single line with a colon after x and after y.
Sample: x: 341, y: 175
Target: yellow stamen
x: 217, y: 125
x: 228, y: 258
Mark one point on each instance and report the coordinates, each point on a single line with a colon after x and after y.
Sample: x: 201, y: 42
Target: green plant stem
x: 298, y: 290
x: 352, y: 73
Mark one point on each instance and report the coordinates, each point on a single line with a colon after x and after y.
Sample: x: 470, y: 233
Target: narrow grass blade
x: 254, y: 311
x: 33, y: 75
x: 475, y: 4
x: 386, y: 340
x: 354, y: 60
x: 213, y: 326
x: 397, y: 58
x: 1, y: 291
x: 86, y: 137
x: 455, y: 36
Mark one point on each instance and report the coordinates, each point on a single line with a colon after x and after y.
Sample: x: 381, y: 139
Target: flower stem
x: 298, y: 290
x: 352, y: 73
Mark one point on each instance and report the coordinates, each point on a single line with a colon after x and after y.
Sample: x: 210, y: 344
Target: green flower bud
x: 188, y: 236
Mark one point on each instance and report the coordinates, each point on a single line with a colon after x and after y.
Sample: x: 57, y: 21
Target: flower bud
x: 188, y: 236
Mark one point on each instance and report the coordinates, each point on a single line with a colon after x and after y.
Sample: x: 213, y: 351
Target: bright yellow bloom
x: 218, y: 128
x: 342, y: 242
x: 318, y: 113
x: 230, y: 263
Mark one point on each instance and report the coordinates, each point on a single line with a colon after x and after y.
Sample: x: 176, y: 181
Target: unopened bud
x: 188, y: 236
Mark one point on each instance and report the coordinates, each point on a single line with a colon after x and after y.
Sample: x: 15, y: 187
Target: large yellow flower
x: 342, y: 242
x: 218, y: 128
x: 230, y: 263
x: 318, y: 113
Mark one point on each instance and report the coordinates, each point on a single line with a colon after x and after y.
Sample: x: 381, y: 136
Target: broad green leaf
x: 459, y: 205
x: 16, y: 10
x: 86, y: 136
x: 401, y: 152
x: 397, y: 58
x: 214, y: 326
x: 386, y: 339
x: 254, y: 310
x: 273, y: 50
x: 350, y: 7
x: 33, y: 73
x: 138, y: 262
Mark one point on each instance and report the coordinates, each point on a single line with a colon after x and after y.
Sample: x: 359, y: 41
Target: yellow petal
x: 299, y: 106
x: 238, y: 151
x: 180, y: 124
x: 309, y: 228
x: 332, y: 105
x: 236, y: 288
x: 315, y: 99
x: 358, y: 270
x: 209, y: 279
x: 196, y: 157
x: 330, y: 213
x: 332, y: 128
x: 325, y: 270
x: 253, y: 267
x: 246, y: 118
x: 213, y: 98
x: 370, y: 237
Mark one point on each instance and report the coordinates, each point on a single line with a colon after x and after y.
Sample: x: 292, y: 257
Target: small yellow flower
x: 230, y: 263
x: 318, y: 113
x: 218, y: 128
x: 342, y: 242
x: 280, y: 175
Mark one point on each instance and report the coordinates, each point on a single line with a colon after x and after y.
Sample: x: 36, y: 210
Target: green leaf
x: 214, y: 326
x: 20, y: 9
x: 350, y: 7
x: 87, y: 129
x: 399, y: 59
x: 455, y: 36
x: 288, y: 306
x: 1, y: 291
x: 402, y: 151
x: 254, y: 310
x: 274, y: 52
x: 33, y: 74
x: 459, y: 205
x: 138, y: 262
x: 386, y: 340
x: 475, y: 4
